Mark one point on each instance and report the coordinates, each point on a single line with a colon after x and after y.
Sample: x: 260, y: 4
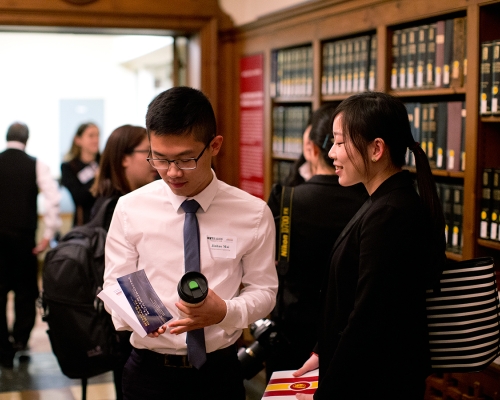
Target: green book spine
x: 448, y: 52
x: 355, y: 64
x: 403, y: 55
x: 349, y: 65
x: 431, y: 56
x: 432, y: 134
x: 485, y: 85
x: 495, y: 78
x: 395, y: 59
x: 372, y: 69
x: 495, y: 206
x: 421, y: 55
x: 337, y: 68
x: 441, y: 134
x: 343, y: 66
x: 456, y: 231
x: 424, y: 132
x: 411, y: 60
x: 485, y: 203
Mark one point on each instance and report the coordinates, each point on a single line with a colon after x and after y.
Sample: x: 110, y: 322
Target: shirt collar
x: 16, y: 145
x: 204, y: 198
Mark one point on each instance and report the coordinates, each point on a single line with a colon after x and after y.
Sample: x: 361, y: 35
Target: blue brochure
x: 144, y: 301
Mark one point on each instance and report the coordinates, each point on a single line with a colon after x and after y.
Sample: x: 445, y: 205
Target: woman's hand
x: 311, y: 364
x: 302, y: 396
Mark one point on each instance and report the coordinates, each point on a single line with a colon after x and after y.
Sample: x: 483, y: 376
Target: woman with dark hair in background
x: 373, y: 322
x: 320, y: 210
x: 79, y: 169
x: 123, y: 168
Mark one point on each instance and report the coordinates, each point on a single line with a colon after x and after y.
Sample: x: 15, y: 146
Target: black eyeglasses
x: 183, y: 164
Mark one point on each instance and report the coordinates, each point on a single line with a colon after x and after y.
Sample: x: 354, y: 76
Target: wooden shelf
x: 490, y: 119
x: 285, y: 156
x: 293, y: 99
x: 428, y: 92
x: 454, y: 256
x: 440, y: 172
x: 489, y: 244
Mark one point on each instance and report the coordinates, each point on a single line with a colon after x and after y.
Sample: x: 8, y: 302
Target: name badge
x: 222, y: 246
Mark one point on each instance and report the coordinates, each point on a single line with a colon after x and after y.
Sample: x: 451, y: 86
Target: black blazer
x: 320, y: 210
x: 373, y: 339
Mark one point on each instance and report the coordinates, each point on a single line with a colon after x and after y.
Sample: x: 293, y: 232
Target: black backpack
x: 81, y: 331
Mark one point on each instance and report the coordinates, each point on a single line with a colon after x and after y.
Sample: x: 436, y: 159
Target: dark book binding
x: 485, y: 85
x: 146, y: 304
x: 454, y: 135
x: 441, y: 134
x: 495, y: 78
x: 457, y: 69
x: 485, y: 203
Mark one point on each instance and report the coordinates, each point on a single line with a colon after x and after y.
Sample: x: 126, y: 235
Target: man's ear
x: 216, y: 145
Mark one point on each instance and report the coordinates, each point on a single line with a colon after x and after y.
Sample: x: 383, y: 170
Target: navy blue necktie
x: 195, y: 339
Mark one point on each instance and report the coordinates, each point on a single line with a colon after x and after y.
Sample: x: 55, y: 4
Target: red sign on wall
x: 252, y: 125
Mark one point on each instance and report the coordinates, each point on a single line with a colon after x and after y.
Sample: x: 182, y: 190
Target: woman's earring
x: 374, y: 159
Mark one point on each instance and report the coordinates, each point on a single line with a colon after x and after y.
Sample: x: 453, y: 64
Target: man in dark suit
x: 21, y: 178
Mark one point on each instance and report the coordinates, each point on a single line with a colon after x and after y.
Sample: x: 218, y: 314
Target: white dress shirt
x: 146, y: 232
x: 50, y: 193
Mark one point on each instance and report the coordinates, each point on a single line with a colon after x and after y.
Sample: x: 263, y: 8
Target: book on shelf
x: 372, y: 69
x: 421, y: 55
x: 410, y: 107
x: 495, y: 205
x: 457, y: 221
x: 284, y: 386
x: 447, y: 52
x: 336, y: 69
x: 462, y: 142
x: 411, y: 58
x: 454, y: 135
x: 343, y: 66
x: 441, y: 134
x: 440, y: 44
x: 485, y: 203
x: 355, y: 65
x: 459, y: 39
x: 349, y: 65
x: 364, y: 55
x: 424, y: 127
x: 326, y: 69
x: 486, y: 79
x: 444, y: 191
x: 136, y: 302
x: 396, y: 39
x: 431, y: 56
x: 495, y: 78
x: 402, y: 59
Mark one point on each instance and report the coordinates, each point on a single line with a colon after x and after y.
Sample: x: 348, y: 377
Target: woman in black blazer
x: 321, y: 208
x: 372, y: 338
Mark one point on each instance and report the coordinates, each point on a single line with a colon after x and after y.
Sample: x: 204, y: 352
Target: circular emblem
x: 300, y: 386
x: 80, y: 2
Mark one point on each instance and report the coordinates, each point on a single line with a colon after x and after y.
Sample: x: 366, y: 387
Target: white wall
x: 39, y: 69
x: 245, y: 11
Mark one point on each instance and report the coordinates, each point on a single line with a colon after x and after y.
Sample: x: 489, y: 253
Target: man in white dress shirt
x: 21, y: 178
x: 146, y: 232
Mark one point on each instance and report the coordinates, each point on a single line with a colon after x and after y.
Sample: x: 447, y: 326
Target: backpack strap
x: 99, y: 217
x: 285, y: 229
x: 366, y: 205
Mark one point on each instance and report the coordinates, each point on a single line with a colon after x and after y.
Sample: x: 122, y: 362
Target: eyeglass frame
x: 170, y: 162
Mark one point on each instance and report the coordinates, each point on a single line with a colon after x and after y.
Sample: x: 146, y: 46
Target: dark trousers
x: 18, y: 272
x: 220, y: 378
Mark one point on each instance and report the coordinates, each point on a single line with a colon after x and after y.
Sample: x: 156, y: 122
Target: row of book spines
x: 430, y: 56
x: 452, y: 202
x: 490, y: 78
x: 292, y: 72
x: 349, y: 66
x: 289, y: 123
x: 281, y: 169
x: 440, y: 129
x: 489, y: 213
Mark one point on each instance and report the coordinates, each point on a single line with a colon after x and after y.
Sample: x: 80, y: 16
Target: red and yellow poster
x: 284, y: 386
x: 252, y: 125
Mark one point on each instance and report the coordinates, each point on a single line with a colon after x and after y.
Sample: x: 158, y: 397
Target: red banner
x: 252, y: 125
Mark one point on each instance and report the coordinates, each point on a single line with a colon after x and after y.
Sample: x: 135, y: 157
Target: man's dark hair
x: 181, y: 111
x: 18, y: 132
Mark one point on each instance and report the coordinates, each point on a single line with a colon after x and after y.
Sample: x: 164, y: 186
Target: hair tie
x: 414, y: 146
x: 325, y: 142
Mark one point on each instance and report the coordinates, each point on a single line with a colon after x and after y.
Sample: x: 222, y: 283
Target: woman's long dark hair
x: 371, y: 115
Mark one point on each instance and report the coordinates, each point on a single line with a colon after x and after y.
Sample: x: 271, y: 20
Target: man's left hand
x: 211, y: 312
